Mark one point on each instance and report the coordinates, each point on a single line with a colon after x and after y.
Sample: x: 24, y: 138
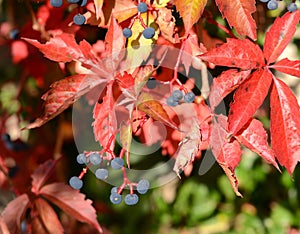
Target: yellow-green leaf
x: 160, y: 3
x: 139, y: 48
x: 98, y: 6
x: 190, y: 11
x: 126, y: 136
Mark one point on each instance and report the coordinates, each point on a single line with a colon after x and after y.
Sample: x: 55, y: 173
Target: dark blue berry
x: 131, y: 199
x: 101, y: 173
x: 151, y: 83
x: 272, y: 4
x: 292, y: 7
x: 81, y: 159
x: 56, y: 3
x: 114, y: 190
x: 115, y: 198
x: 127, y: 32
x: 171, y: 101
x: 73, y: 1
x: 75, y: 182
x: 14, y: 34
x: 143, y: 186
x: 177, y: 95
x: 95, y: 159
x: 148, y: 33
x: 83, y: 3
x: 142, y: 7
x: 117, y: 163
x: 79, y: 19
x: 189, y: 97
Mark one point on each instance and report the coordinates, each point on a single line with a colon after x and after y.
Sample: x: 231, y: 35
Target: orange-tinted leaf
x: 188, y: 148
x: 254, y: 137
x: 285, y: 125
x: 238, y: 14
x: 154, y: 109
x: 279, y: 35
x: 41, y: 174
x: 105, y: 124
x: 124, y: 9
x: 227, y: 153
x: 248, y: 98
x: 190, y: 11
x: 48, y: 216
x: 287, y: 66
x: 236, y: 53
x: 224, y: 84
x: 64, y: 93
x: 72, y: 202
x: 14, y: 212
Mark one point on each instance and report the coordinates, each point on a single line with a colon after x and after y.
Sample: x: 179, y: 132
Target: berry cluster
x: 78, y: 19
x: 148, y: 32
x: 273, y: 5
x: 117, y: 163
x: 130, y: 199
x: 177, y: 95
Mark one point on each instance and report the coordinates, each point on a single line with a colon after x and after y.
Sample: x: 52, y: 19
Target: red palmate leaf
x: 105, y: 124
x: 236, y: 53
x: 115, y: 42
x: 238, y: 14
x: 280, y: 34
x: 224, y: 84
x: 191, y: 49
x: 114, y: 37
x: 141, y: 77
x: 285, y: 125
x: 288, y: 66
x: 64, y: 93
x: 154, y: 109
x: 64, y: 48
x: 248, y: 98
x: 14, y: 212
x: 41, y: 174
x: 227, y: 154
x: 72, y: 202
x: 190, y: 11
x: 188, y: 148
x: 48, y: 216
x: 254, y: 137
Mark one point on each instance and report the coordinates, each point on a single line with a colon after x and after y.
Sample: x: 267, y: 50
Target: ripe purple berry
x: 127, y: 32
x: 148, y: 33
x: 79, y: 19
x: 142, y: 7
